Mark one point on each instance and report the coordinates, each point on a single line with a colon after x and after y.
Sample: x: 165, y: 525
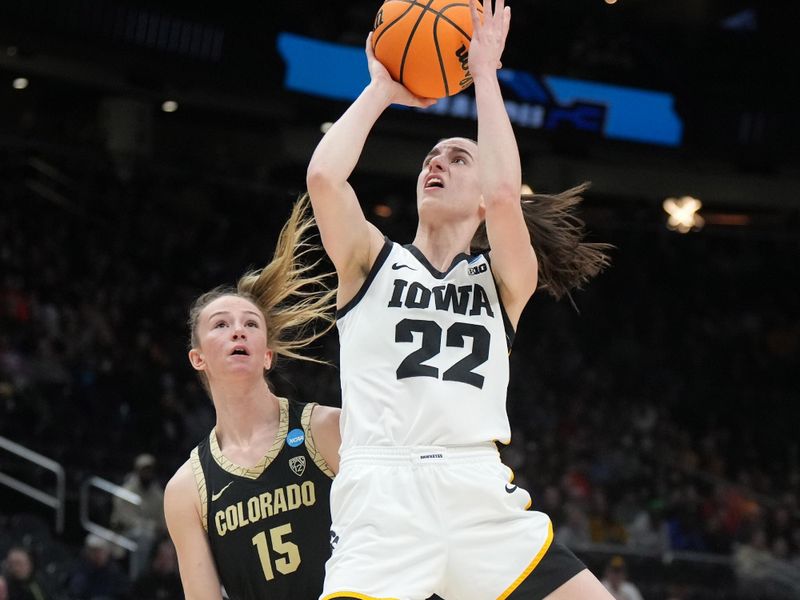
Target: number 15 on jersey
x: 290, y: 553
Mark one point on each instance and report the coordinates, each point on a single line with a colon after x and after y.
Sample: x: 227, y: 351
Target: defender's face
x: 449, y: 180
x: 232, y: 336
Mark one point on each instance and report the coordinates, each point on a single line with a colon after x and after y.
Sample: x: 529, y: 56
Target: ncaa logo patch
x: 298, y: 465
x: 295, y: 437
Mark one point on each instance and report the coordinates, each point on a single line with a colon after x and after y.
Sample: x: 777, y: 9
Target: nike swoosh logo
x: 397, y: 267
x: 215, y: 497
x: 511, y: 488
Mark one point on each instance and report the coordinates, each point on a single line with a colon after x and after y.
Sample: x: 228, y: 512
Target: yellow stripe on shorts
x: 354, y: 595
x: 531, y: 566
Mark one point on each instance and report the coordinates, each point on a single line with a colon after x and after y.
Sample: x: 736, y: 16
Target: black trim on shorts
x: 373, y: 272
x: 557, y: 566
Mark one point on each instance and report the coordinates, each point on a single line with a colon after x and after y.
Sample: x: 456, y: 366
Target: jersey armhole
x: 510, y: 333
x: 200, y: 480
x: 311, y: 447
x: 373, y: 272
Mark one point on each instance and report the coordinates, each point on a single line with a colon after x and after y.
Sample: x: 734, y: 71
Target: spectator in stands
x: 161, y: 581
x: 647, y: 531
x: 3, y: 589
x: 144, y: 523
x: 760, y: 574
x: 603, y: 527
x: 574, y: 533
x: 616, y: 580
x: 97, y: 577
x: 21, y: 580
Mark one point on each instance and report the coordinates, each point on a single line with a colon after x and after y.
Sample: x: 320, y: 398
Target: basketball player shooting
x: 422, y: 503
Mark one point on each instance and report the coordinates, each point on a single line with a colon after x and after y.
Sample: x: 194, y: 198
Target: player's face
x: 232, y: 336
x: 448, y: 183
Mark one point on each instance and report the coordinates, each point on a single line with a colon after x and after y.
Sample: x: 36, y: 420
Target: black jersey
x: 269, y: 525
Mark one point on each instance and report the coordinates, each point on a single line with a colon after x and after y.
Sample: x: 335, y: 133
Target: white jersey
x: 424, y: 354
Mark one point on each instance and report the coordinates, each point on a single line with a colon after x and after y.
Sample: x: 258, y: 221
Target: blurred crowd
x: 665, y: 420
x: 657, y: 415
x: 93, y: 575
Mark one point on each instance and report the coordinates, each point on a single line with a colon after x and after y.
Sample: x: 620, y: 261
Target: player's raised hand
x: 489, y: 34
x: 398, y: 93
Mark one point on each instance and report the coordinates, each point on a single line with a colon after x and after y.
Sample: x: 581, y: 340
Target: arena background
x: 656, y: 420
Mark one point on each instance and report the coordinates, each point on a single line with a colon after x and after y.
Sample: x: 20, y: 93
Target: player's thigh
x: 583, y: 586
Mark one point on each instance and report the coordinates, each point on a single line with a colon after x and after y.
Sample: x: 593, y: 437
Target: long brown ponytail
x: 565, y: 261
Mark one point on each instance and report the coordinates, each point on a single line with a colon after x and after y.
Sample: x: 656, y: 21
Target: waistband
x: 419, y: 455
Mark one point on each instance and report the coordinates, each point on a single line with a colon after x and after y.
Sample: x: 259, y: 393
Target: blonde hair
x: 292, y: 297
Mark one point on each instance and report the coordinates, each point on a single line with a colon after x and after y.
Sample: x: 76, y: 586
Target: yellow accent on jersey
x: 200, y: 480
x: 288, y: 563
x: 215, y: 497
x: 255, y: 471
x: 265, y: 505
x: 316, y: 456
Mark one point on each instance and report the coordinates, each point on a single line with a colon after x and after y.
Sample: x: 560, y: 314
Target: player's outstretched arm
x: 181, y: 508
x: 351, y: 242
x: 513, y: 259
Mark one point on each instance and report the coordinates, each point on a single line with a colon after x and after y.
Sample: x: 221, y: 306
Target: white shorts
x: 412, y: 522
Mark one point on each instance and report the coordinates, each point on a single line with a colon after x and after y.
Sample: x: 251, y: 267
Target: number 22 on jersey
x: 432, y: 345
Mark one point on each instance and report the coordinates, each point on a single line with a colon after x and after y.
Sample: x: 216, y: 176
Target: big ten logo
x: 479, y: 269
x: 378, y: 19
x: 462, y: 54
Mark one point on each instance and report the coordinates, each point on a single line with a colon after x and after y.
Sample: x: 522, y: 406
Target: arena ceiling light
x: 20, y: 83
x: 169, y: 106
x: 683, y: 216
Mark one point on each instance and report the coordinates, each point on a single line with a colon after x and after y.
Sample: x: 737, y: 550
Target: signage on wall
x: 543, y: 102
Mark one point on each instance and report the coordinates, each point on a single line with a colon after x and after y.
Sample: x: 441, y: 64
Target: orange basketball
x: 424, y: 44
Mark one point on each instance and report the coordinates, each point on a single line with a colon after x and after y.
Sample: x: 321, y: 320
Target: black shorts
x: 557, y: 566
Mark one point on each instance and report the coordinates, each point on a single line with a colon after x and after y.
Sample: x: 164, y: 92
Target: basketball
x: 424, y: 44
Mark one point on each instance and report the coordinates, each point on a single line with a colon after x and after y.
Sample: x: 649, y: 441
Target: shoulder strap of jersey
x: 295, y: 413
x: 311, y: 447
x: 200, y: 480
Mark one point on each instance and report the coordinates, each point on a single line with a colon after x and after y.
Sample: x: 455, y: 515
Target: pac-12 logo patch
x: 298, y: 465
x: 295, y: 437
